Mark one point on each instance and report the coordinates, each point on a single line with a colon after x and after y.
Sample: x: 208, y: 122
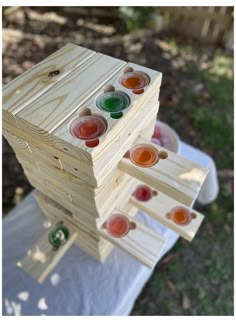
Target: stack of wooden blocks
x: 80, y: 183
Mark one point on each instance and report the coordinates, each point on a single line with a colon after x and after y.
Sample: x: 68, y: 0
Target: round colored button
x: 144, y: 155
x: 58, y: 236
x: 113, y: 102
x: 117, y: 225
x: 142, y: 193
x: 180, y: 215
x: 135, y: 80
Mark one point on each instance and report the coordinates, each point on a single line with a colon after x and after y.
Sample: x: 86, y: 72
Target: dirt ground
x: 196, y: 99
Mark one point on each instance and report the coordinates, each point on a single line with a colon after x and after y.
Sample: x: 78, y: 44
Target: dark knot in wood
x: 54, y: 73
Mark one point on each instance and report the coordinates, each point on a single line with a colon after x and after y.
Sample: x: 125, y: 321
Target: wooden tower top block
x: 44, y: 100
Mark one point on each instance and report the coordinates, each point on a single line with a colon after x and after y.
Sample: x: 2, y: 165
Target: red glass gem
x: 143, y: 193
x: 88, y: 128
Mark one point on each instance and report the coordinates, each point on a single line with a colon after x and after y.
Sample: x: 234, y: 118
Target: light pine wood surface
x: 158, y: 206
x: 142, y: 243
x: 27, y: 87
x: 41, y: 258
x: 178, y: 178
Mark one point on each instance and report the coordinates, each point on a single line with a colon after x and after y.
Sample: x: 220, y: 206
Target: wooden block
x: 120, y: 192
x: 41, y: 258
x: 13, y: 133
x: 59, y: 102
x: 142, y: 243
x: 175, y: 176
x: 160, y: 205
x: 16, y: 143
x: 27, y: 87
x: 101, y: 257
x: 107, y: 167
x: 58, y: 212
x: 66, y: 190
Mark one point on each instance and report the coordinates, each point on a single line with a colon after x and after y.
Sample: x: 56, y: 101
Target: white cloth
x: 79, y: 285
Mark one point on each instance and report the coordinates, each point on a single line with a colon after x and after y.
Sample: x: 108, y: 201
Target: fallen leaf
x: 185, y: 302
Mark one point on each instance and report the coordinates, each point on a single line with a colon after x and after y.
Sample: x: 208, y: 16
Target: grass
x: 201, y: 271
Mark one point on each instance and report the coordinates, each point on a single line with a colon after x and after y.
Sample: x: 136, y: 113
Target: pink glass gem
x: 118, y: 225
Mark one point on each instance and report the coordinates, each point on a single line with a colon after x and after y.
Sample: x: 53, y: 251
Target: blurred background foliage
x: 134, y: 18
x: 193, y: 48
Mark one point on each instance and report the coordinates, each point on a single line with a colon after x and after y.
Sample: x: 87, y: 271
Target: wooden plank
x: 71, y: 191
x: 27, y: 87
x: 61, y: 193
x: 16, y: 142
x: 41, y: 258
x: 60, y: 101
x: 82, y: 210
x: 59, y: 212
x: 15, y: 134
x: 175, y: 176
x: 158, y: 206
x: 141, y: 243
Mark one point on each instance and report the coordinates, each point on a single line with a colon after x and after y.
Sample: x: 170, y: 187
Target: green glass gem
x: 114, y: 103
x: 116, y: 115
x: 58, y: 236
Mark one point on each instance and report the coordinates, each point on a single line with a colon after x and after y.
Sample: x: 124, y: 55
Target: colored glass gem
x: 118, y: 225
x: 58, y: 236
x: 114, y: 103
x: 144, y: 155
x: 143, y: 193
x: 136, y: 81
x: 88, y: 128
x: 180, y: 215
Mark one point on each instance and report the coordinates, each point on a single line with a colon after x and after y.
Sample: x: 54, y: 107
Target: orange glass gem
x: 135, y: 80
x: 180, y: 215
x: 144, y: 155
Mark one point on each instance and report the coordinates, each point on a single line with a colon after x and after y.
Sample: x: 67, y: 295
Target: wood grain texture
x: 41, y: 258
x: 59, y: 212
x: 58, y: 103
x: 175, y: 176
x: 158, y: 206
x: 30, y: 85
x: 141, y: 243
x: 63, y: 192
x: 56, y: 212
x: 16, y: 134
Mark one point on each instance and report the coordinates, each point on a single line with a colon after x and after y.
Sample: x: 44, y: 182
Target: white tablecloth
x: 78, y: 285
